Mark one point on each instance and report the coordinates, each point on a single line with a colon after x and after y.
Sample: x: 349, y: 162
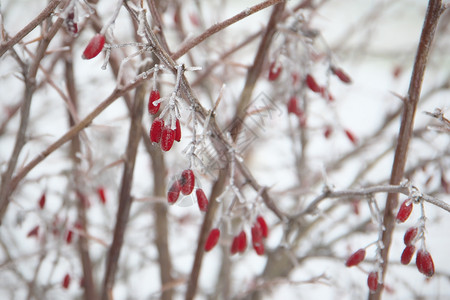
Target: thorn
x: 403, y: 99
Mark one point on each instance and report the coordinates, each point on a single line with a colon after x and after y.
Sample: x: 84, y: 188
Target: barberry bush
x: 224, y: 149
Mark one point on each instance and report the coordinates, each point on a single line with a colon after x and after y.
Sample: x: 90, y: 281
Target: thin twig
x: 7, y: 185
x: 30, y: 26
x: 220, y: 26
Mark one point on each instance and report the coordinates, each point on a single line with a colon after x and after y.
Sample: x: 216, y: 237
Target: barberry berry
x: 174, y: 192
x: 177, y: 131
x: 202, y: 200
x: 424, y: 262
x: 341, y: 74
x: 407, y: 254
x: 410, y: 235
x: 404, y: 211
x: 94, y: 47
x: 167, y: 138
x: 356, y: 258
x: 262, y: 223
x: 66, y: 281
x: 312, y: 84
x: 274, y: 72
x: 187, y: 181
x: 212, y: 239
x: 156, y: 130
x: 372, y: 281
x: 154, y: 96
x: 42, y: 201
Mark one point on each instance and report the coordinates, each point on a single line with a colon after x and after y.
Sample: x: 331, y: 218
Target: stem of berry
x: 433, y: 13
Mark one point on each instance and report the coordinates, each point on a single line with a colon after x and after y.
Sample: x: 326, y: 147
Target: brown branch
x: 255, y: 70
x: 7, y: 185
x: 125, y: 199
x: 252, y: 75
x: 434, y: 11
x: 28, y: 28
x: 218, y: 27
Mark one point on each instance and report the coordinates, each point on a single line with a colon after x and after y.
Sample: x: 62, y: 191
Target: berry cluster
x: 424, y: 261
x: 259, y: 232
x: 185, y: 184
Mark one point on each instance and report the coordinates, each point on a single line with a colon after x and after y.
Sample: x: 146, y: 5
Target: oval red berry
x: 356, y: 258
x: 177, y: 131
x: 187, y: 182
x: 42, y: 201
x: 264, y: 229
x: 372, y: 281
x: 156, y: 130
x: 257, y: 236
x: 101, y: 194
x: 274, y: 72
x: 424, y: 263
x: 202, y: 200
x: 212, y: 239
x: 312, y: 84
x: 66, y: 281
x: 404, y: 211
x: 239, y: 243
x: 167, y: 138
x: 341, y: 75
x: 410, y: 235
x: 174, y: 192
x: 154, y: 96
x: 407, y: 254
x: 94, y: 47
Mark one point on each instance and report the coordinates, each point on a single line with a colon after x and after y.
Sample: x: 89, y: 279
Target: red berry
x: 274, y: 72
x: 424, y: 262
x: 94, y: 47
x: 239, y: 243
x: 257, y: 236
x: 154, y: 96
x: 328, y: 131
x: 404, y: 211
x: 167, y: 138
x: 69, y: 236
x: 352, y: 138
x: 177, y: 131
x: 212, y: 239
x: 156, y: 130
x: 234, y: 245
x: 72, y: 26
x: 293, y: 107
x: 262, y: 223
x: 372, y: 281
x: 42, y: 201
x: 101, y: 194
x: 202, y: 200
x: 356, y: 258
x: 34, y: 232
x: 66, y: 281
x: 312, y: 84
x: 410, y: 235
x: 407, y: 254
x: 174, y: 192
x: 341, y: 75
x: 187, y: 181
